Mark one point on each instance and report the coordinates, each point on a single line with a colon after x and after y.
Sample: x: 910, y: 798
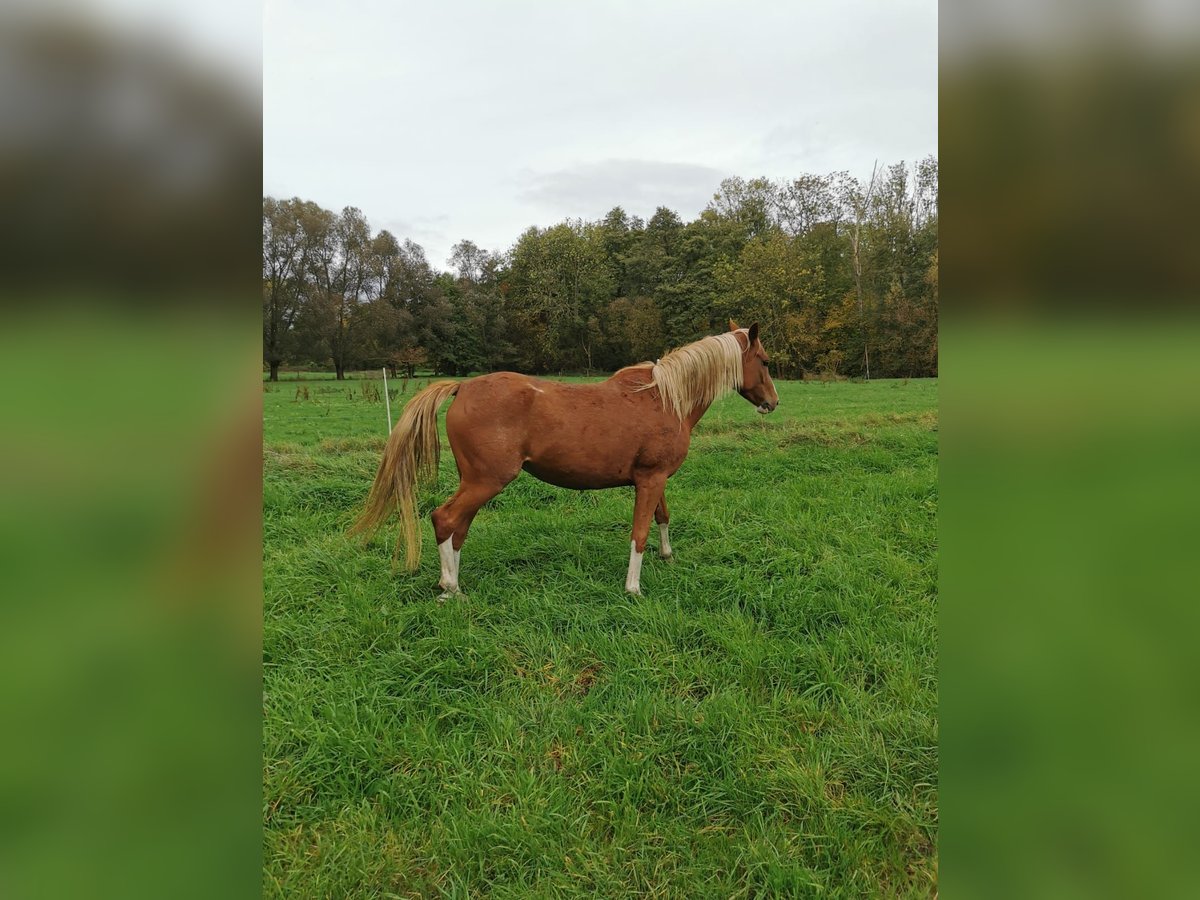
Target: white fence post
x: 387, y: 400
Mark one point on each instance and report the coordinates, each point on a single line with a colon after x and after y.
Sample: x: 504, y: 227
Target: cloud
x: 424, y: 230
x: 851, y: 133
x: 639, y: 185
x: 533, y: 117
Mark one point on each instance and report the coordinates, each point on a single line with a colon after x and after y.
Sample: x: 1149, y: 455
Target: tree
x: 632, y: 331
x: 559, y: 278
x: 422, y: 297
x: 770, y: 283
x: 690, y: 298
x: 285, y: 284
x: 339, y: 273
x: 469, y: 261
x: 807, y: 204
x: 842, y: 276
x: 481, y: 327
x: 749, y: 204
x: 860, y: 202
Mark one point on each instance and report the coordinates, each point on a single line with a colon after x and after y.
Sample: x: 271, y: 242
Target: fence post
x: 387, y: 400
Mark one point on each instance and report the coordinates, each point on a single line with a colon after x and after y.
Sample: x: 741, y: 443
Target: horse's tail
x: 410, y: 457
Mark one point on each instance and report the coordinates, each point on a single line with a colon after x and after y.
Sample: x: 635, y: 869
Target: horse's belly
x: 579, y: 477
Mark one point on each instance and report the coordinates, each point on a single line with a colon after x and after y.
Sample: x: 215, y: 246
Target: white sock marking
x: 634, y: 580
x: 449, y: 565
x: 664, y: 542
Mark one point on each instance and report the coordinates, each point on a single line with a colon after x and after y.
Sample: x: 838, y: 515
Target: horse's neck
x: 689, y: 420
x: 696, y: 415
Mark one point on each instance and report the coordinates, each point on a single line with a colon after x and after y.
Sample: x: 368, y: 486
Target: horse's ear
x: 733, y: 325
x: 753, y: 334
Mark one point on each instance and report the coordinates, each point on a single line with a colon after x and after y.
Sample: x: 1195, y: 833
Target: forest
x: 840, y: 272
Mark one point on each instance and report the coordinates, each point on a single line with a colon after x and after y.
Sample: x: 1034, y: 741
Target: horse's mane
x: 697, y: 373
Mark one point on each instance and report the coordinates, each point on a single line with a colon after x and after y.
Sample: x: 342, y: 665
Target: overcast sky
x: 450, y: 120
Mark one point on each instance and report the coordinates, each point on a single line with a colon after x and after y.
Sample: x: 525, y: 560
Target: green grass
x: 763, y: 722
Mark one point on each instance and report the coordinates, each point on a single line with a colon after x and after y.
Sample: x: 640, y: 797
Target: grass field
x: 762, y: 723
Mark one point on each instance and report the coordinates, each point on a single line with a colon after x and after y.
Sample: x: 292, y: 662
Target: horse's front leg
x: 649, y: 493
x: 663, y: 516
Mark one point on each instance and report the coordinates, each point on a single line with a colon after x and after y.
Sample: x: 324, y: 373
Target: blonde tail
x: 410, y: 457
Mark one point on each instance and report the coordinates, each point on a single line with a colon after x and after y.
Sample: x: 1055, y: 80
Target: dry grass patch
x: 352, y: 445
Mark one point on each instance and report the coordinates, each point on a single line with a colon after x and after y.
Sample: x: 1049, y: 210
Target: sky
x: 451, y: 120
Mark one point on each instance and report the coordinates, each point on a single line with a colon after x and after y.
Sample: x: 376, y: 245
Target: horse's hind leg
x: 452, y: 520
x: 663, y: 516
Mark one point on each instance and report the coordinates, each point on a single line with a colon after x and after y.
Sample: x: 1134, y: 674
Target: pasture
x: 763, y: 722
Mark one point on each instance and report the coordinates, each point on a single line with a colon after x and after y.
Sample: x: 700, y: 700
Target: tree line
x: 841, y: 273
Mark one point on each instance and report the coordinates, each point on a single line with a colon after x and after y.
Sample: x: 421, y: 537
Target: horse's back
x: 498, y: 395
x: 574, y: 435
x: 510, y: 401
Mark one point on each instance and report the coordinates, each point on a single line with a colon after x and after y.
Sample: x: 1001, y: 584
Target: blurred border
x: 1070, y: 134
x: 130, y: 175
x: 131, y: 182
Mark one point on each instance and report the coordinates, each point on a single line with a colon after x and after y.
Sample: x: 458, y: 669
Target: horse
x: 632, y: 429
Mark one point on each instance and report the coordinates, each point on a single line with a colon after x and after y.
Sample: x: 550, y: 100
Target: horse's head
x: 757, y: 386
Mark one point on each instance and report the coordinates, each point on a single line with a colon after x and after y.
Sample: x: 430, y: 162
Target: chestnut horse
x: 633, y: 429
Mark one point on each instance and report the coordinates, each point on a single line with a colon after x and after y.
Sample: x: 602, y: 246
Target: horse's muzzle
x: 766, y: 406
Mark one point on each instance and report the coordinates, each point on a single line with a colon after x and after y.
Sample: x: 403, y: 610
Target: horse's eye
x: 766, y: 364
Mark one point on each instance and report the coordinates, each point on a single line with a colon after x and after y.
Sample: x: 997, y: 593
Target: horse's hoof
x: 669, y: 558
x: 450, y: 595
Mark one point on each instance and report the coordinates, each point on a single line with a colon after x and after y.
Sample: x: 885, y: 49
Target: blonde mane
x: 698, y: 373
